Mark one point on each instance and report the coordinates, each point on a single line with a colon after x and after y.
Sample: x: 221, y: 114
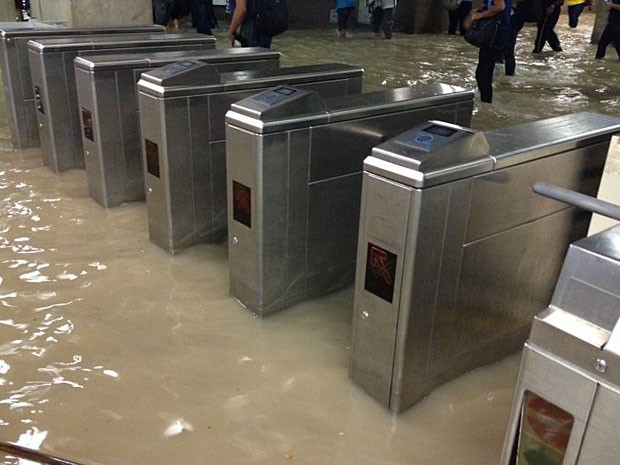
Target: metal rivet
x: 600, y: 365
x: 365, y: 314
x: 150, y: 190
x: 40, y: 125
x: 235, y: 240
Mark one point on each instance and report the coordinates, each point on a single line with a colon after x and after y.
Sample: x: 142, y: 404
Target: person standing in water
x: 344, y: 9
x: 611, y: 33
x: 548, y: 17
x: 489, y: 55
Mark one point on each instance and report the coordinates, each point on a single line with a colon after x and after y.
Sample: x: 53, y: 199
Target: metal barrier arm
x: 33, y: 455
x: 585, y: 202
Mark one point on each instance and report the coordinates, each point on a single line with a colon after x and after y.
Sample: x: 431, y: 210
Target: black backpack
x: 271, y: 17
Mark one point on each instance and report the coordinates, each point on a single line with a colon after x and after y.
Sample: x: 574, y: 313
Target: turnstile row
x: 108, y: 102
x: 53, y: 80
x: 17, y: 83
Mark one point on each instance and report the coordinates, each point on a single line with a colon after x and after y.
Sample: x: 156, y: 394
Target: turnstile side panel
x: 41, y: 73
x: 207, y: 167
x: 212, y: 227
x: 559, y: 383
x: 382, y: 238
x: 8, y: 61
x: 19, y: 94
x: 283, y: 276
x: 91, y: 116
x: 430, y: 284
x: 245, y: 268
x: 508, y: 192
x: 504, y: 282
x: 127, y: 149
x: 600, y: 444
x: 153, y: 148
x: 177, y: 170
x: 332, y: 223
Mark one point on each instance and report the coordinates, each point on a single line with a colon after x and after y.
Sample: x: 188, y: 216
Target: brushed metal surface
x: 18, y: 90
x: 484, y: 252
x: 324, y: 200
x: 108, y: 83
x: 63, y: 144
x: 203, y: 177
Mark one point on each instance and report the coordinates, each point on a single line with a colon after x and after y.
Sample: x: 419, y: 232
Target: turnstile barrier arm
x: 585, y: 202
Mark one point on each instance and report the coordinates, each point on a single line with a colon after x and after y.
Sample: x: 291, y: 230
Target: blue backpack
x: 271, y: 17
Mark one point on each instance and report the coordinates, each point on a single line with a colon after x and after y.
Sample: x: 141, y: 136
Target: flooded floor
x: 112, y: 352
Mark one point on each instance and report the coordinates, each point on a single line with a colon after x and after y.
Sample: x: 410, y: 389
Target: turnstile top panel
x: 152, y: 83
x: 115, y: 62
x: 38, y: 29
x: 528, y: 141
x: 417, y: 159
x: 7, y: 28
x: 605, y: 244
x: 583, y: 318
x: 95, y: 42
x: 279, y: 108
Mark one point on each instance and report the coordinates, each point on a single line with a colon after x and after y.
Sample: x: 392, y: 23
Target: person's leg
x: 552, y: 37
x: 510, y: 63
x: 377, y: 19
x: 453, y: 20
x: 160, y: 11
x: 539, y: 42
x: 606, y: 38
x: 616, y: 38
x: 388, y: 22
x: 573, y: 14
x: 484, y: 73
x: 198, y: 10
x: 343, y: 16
x: 211, y: 18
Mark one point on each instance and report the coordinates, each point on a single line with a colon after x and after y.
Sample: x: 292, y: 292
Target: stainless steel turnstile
x: 294, y: 164
x: 18, y: 89
x: 456, y: 254
x: 182, y: 110
x: 566, y: 406
x: 108, y: 102
x: 53, y: 79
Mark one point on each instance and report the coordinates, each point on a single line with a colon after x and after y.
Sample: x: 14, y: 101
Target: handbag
x: 483, y: 32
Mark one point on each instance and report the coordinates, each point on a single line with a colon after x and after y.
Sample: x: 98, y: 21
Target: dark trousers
x: 383, y: 19
x: 610, y: 34
x: 198, y: 10
x: 457, y: 16
x: 573, y: 14
x: 343, y: 17
x: 487, y: 56
x: 162, y: 11
x: 545, y: 32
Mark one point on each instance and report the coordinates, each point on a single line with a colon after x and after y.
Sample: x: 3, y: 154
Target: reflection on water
x: 113, y: 352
